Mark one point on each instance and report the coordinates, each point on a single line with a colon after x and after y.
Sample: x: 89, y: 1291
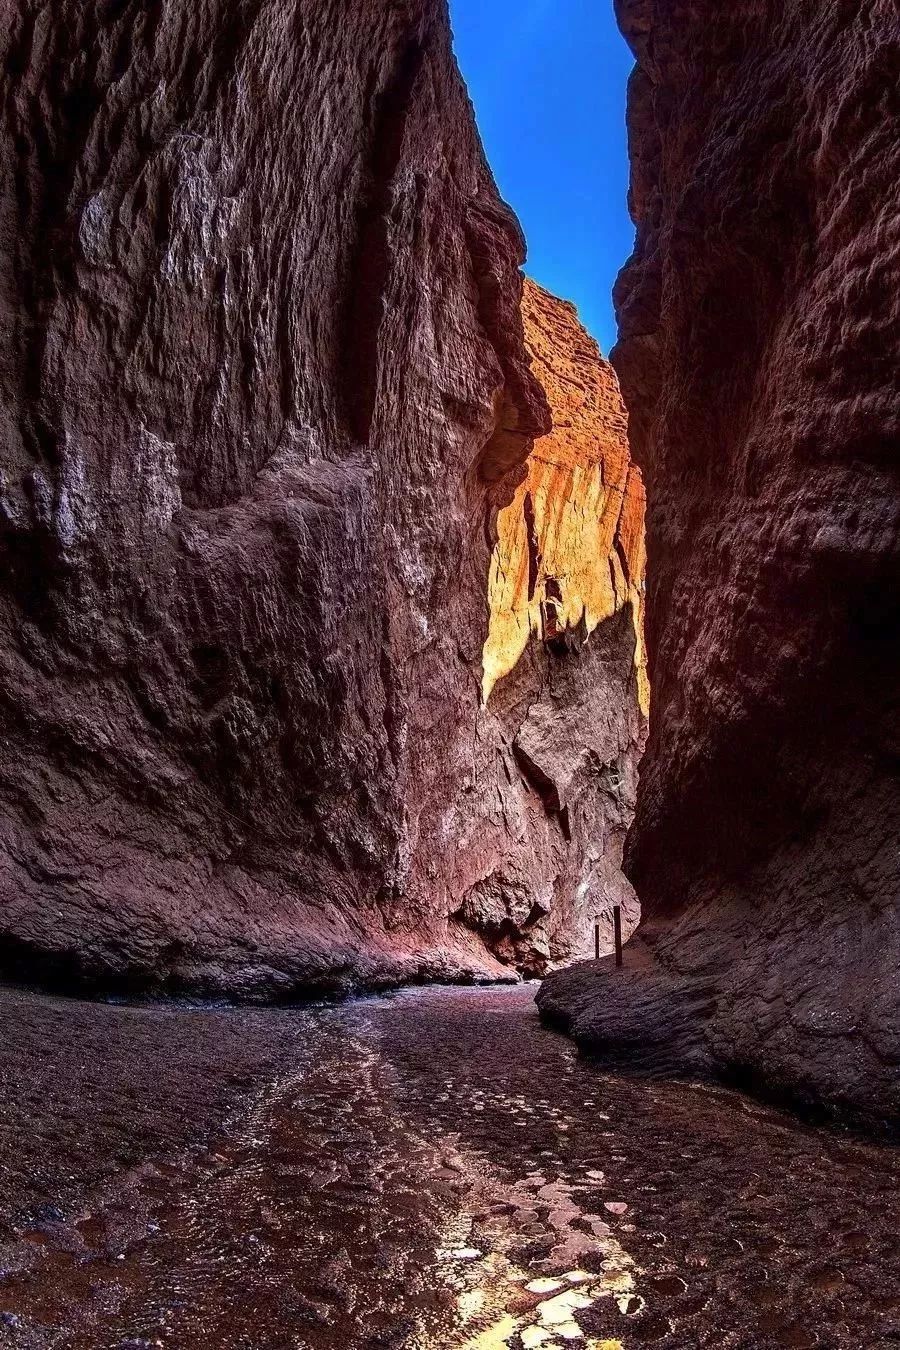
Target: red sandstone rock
x: 261, y: 354
x: 558, y: 741
x: 570, y: 551
x: 264, y: 390
x: 758, y: 356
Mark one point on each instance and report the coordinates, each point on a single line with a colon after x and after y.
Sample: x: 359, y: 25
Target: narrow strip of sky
x: 547, y: 78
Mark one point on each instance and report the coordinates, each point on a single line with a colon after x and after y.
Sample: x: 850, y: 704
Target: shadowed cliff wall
x: 264, y: 390
x: 261, y: 353
x: 758, y: 357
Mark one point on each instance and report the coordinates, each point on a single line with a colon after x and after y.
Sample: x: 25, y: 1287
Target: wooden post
x: 596, y: 939
x: 617, y: 929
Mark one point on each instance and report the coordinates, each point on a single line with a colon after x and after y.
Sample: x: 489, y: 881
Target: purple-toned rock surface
x: 264, y: 390
x: 758, y: 359
x: 261, y: 355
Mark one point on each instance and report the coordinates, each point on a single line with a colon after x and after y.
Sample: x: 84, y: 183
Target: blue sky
x: 547, y: 78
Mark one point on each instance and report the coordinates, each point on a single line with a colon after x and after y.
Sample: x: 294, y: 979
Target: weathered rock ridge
x: 564, y: 681
x: 758, y: 357
x: 264, y: 391
x: 570, y: 550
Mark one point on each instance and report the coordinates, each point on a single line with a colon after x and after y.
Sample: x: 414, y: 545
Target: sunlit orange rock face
x: 570, y: 549
x: 535, y: 834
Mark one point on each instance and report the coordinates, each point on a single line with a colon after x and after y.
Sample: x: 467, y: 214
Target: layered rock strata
x: 758, y: 355
x: 264, y: 391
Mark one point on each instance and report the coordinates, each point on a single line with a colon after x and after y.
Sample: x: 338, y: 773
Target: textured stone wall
x: 558, y: 741
x: 758, y: 358
x: 261, y: 353
x: 263, y: 390
x: 570, y: 550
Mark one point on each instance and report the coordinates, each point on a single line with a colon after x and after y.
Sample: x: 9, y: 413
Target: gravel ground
x: 431, y: 1170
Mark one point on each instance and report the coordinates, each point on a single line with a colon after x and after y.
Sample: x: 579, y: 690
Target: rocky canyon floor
x: 428, y: 1170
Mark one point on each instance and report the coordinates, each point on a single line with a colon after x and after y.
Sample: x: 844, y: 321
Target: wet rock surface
x: 429, y: 1170
x: 757, y: 356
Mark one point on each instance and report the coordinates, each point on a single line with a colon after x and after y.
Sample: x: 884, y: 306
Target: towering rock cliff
x: 570, y: 550
x: 558, y: 741
x: 758, y: 355
x: 264, y: 391
x: 262, y: 378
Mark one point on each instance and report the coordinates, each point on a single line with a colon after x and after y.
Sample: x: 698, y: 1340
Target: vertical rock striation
x: 263, y: 391
x: 758, y: 357
x: 539, y: 849
x: 570, y: 550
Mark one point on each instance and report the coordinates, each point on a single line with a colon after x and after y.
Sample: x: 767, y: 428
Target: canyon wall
x: 264, y: 392
x: 564, y: 681
x: 758, y: 356
x: 263, y: 375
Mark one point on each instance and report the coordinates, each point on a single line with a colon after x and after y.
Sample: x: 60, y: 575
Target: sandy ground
x: 430, y: 1170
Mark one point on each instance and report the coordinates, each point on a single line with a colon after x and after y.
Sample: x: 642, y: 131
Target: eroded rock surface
x: 758, y: 356
x: 570, y: 550
x: 565, y: 685
x: 263, y: 389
